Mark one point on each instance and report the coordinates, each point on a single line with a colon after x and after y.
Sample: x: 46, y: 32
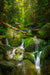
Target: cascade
x: 10, y: 54
x: 28, y: 30
x: 37, y: 59
x: 7, y: 43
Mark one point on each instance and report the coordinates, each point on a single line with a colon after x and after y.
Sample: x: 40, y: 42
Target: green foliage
x: 44, y: 31
x: 45, y: 61
x: 45, y: 55
x: 14, y: 37
x: 29, y: 45
x: 28, y: 56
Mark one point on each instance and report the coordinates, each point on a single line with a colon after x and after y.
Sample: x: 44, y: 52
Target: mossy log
x: 13, y: 27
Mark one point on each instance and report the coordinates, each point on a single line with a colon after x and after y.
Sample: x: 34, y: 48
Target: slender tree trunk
x: 13, y: 27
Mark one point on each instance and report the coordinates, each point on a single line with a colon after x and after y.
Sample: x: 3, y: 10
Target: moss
x: 19, y: 50
x: 1, y: 56
x: 15, y: 42
x: 44, y: 31
x: 29, y: 68
x: 45, y: 61
x: 35, y: 54
x: 45, y: 55
x: 2, y: 36
x: 29, y: 56
x: 6, y: 67
x: 4, y: 49
x: 26, y: 68
x: 41, y: 45
x: 14, y: 37
x: 45, y: 70
x: 16, y: 57
x: 29, y: 45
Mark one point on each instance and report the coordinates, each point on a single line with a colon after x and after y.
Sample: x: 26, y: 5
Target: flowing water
x: 7, y: 43
x: 10, y: 54
x: 28, y: 30
x: 13, y: 53
x: 37, y: 59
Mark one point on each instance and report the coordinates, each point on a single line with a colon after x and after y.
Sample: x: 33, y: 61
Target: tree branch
x: 13, y: 27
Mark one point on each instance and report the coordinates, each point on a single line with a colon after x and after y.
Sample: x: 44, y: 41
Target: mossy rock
x: 42, y: 44
x: 29, y: 68
x: 3, y: 50
x: 14, y: 37
x: 35, y: 54
x: 17, y: 57
x: 2, y: 39
x: 45, y: 70
x: 29, y: 45
x: 29, y: 56
x: 18, y: 50
x: 44, y: 31
x: 6, y: 67
x: 1, y: 56
x: 26, y: 68
x: 48, y: 42
x: 45, y: 61
x: 45, y: 55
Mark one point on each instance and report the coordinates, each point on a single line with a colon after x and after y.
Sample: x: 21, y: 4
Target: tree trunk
x: 13, y: 27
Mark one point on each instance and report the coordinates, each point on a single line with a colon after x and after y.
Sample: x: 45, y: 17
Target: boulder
x: 34, y: 44
x: 45, y: 61
x: 14, y: 37
x: 3, y: 51
x: 6, y: 67
x: 2, y: 39
x: 29, y: 45
x: 29, y: 56
x: 44, y: 31
x: 24, y: 68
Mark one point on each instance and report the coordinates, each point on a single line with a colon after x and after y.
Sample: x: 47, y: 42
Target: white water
x: 28, y: 30
x: 37, y: 61
x: 11, y: 54
x: 7, y: 43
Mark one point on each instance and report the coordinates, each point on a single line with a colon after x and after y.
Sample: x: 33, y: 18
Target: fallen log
x: 13, y: 27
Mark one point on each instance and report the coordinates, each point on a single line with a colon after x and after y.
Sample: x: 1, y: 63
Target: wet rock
x: 29, y: 68
x: 3, y: 50
x: 19, y: 50
x: 44, y: 31
x: 34, y: 44
x: 14, y: 37
x: 42, y: 44
x: 17, y: 57
x: 1, y: 56
x: 2, y: 39
x: 6, y: 67
x: 25, y: 68
x: 29, y: 45
x: 29, y: 56
x: 45, y: 61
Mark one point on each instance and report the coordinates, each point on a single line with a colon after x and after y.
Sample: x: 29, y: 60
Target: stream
x: 36, y: 60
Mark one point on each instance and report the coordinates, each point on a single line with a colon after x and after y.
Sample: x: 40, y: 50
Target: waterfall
x: 28, y: 30
x: 7, y: 43
x: 37, y: 61
x: 21, y: 46
x: 10, y: 54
